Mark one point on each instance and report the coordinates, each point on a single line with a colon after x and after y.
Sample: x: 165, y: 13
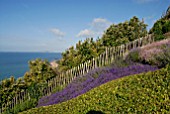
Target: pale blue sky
x: 55, y: 25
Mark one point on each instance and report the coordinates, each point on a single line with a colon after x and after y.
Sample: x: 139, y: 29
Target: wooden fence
x: 106, y: 58
x: 64, y: 78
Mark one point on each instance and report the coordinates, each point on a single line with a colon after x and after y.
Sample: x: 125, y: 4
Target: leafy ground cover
x: 91, y: 80
x: 141, y: 93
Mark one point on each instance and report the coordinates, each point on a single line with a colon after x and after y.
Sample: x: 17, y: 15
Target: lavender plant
x: 91, y: 80
x: 157, y: 53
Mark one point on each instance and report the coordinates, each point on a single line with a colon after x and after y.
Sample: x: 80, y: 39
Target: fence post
x: 90, y: 64
x: 83, y: 69
x: 118, y: 51
x: 124, y: 50
x: 71, y: 76
x: 103, y: 59
x: 80, y: 70
x: 138, y: 43
x: 106, y: 61
x: 153, y: 38
x: 99, y: 60
x: 87, y: 67
x: 93, y: 63
x: 68, y: 76
x: 76, y: 71
x: 109, y: 55
x: 96, y: 62
x: 61, y: 79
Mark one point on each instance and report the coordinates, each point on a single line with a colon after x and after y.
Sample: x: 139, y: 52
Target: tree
x: 124, y: 32
x: 161, y: 26
x: 167, y: 14
x: 82, y: 52
x: 40, y: 72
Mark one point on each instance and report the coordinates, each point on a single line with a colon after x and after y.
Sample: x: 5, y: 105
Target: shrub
x: 157, y: 53
x: 28, y: 104
x: 133, y: 56
x: 161, y: 26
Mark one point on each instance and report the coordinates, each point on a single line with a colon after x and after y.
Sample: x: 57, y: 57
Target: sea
x: 16, y: 63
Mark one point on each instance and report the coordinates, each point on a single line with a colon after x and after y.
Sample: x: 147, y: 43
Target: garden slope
x: 142, y: 93
x: 95, y: 78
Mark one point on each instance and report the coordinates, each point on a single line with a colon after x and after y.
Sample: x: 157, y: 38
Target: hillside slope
x: 95, y: 78
x: 142, y: 93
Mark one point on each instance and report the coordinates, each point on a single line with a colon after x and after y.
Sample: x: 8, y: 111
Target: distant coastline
x: 54, y: 64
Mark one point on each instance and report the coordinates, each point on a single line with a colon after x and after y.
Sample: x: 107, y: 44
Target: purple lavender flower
x: 87, y: 82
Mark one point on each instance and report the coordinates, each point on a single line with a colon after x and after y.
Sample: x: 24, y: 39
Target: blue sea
x: 16, y: 63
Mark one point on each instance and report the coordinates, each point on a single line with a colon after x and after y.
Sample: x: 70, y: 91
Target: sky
x: 55, y: 25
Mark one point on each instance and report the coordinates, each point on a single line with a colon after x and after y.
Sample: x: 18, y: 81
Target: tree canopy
x: 81, y: 53
x: 124, y: 32
x: 40, y: 72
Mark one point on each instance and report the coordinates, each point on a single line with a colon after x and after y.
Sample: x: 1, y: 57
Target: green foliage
x: 141, y: 93
x: 58, y: 88
x: 84, y: 51
x: 40, y: 72
x: 124, y: 32
x: 28, y: 104
x: 119, y: 63
x: 161, y: 26
x: 163, y: 59
x: 9, y: 88
x: 34, y: 81
x: 133, y: 56
x: 35, y: 91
